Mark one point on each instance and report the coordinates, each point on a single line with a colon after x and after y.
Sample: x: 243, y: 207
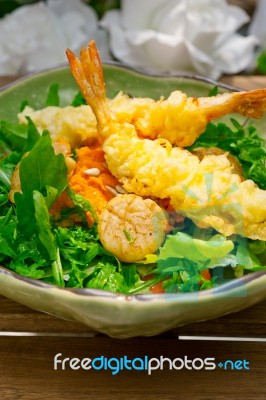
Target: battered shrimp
x: 131, y: 227
x: 207, y: 190
x: 74, y: 124
x: 179, y: 119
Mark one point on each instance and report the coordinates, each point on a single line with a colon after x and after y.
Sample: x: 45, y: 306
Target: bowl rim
x: 225, y: 287
x: 138, y: 70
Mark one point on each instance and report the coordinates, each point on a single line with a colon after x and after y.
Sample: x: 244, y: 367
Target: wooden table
x: 29, y: 341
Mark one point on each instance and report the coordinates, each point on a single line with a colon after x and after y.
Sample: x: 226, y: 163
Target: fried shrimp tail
x: 250, y: 104
x: 88, y: 74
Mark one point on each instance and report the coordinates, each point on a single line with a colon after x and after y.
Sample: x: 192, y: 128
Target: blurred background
x: 101, y: 6
x: 207, y: 37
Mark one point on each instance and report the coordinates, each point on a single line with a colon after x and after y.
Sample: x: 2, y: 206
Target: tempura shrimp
x: 179, y: 119
x: 77, y: 125
x: 131, y: 227
x: 207, y: 191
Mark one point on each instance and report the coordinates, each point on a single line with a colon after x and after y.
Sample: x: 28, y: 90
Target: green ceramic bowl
x: 114, y: 314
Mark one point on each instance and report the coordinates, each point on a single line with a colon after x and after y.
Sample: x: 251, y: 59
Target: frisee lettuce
x: 243, y: 143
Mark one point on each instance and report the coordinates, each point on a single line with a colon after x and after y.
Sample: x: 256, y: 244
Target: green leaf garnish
x: 45, y: 169
x: 78, y: 100
x: 128, y: 236
x: 213, y: 92
x: 244, y: 144
x: 53, y: 96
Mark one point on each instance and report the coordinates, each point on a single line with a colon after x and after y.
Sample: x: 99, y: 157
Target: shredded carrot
x: 92, y: 188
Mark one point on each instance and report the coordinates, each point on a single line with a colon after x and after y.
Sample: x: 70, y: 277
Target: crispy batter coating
x: 179, y: 119
x: 207, y: 191
x: 76, y: 125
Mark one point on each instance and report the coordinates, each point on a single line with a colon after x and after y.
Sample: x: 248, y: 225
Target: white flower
x: 257, y: 26
x: 174, y: 35
x: 35, y: 37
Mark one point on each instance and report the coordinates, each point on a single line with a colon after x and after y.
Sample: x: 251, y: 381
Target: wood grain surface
x: 26, y: 362
x: 27, y: 370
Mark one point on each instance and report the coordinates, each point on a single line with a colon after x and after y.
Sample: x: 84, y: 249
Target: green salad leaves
x: 245, y: 144
x: 48, y: 176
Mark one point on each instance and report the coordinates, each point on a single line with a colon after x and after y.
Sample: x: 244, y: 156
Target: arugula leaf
x: 213, y: 92
x: 18, y: 137
x: 13, y: 135
x: 33, y: 135
x: 45, y: 169
x: 53, y: 96
x: 78, y: 100
x: 46, y: 236
x: 43, y: 225
x: 23, y: 104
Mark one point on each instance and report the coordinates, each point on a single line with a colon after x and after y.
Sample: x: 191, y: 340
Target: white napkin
x: 35, y: 37
x: 180, y: 35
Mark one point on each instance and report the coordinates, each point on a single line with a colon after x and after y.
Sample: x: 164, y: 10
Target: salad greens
x: 35, y: 244
x: 245, y: 144
x: 53, y: 95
